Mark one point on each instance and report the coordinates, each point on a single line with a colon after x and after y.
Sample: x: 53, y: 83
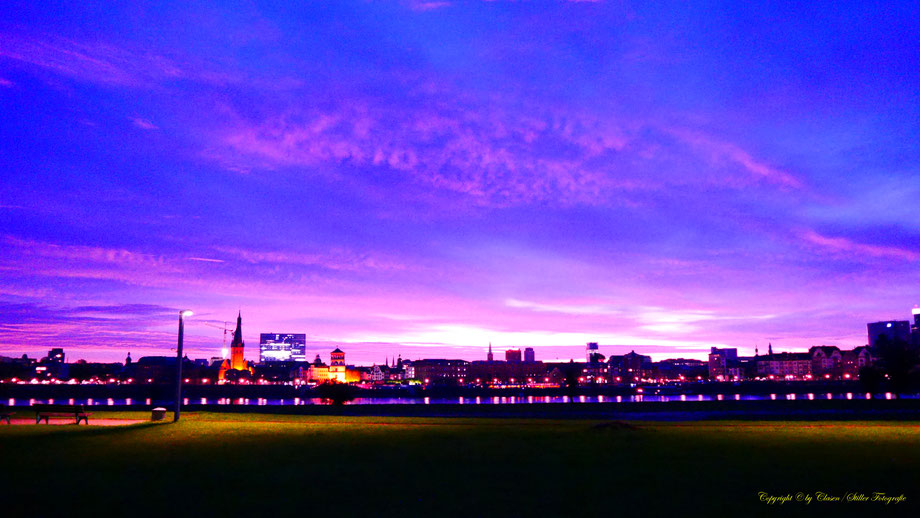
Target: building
x: 237, y: 361
x: 513, y: 356
x: 275, y: 347
x: 785, y: 366
x: 337, y: 366
x: 853, y: 361
x: 720, y: 362
x: 53, y: 365
x: 55, y: 355
x: 336, y: 371
x: 529, y: 355
x: 592, y: 354
x: 628, y: 368
x: 489, y: 356
x: 893, y: 329
x: 439, y: 371
x: 826, y: 362
x: 280, y: 371
x: 681, y: 369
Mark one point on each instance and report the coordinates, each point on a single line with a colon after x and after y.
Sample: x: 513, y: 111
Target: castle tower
x: 237, y: 362
x: 337, y: 365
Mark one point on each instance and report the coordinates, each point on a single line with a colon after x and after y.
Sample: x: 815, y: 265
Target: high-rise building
x: 55, y: 355
x: 513, y: 356
x: 893, y: 329
x: 590, y: 350
x: 275, y: 347
x: 529, y: 355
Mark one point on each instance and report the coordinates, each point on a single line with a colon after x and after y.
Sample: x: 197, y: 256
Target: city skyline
x: 423, y: 178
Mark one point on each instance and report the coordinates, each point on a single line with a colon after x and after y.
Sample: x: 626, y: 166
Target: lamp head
x: 185, y: 313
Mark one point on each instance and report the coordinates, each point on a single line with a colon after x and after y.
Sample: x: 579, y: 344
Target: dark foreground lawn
x: 267, y: 465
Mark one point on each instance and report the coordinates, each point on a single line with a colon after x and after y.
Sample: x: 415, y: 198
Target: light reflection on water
x: 460, y: 400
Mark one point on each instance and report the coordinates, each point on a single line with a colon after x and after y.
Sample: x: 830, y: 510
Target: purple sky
x: 425, y: 177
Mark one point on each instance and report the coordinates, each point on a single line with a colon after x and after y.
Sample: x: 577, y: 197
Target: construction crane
x: 225, y: 328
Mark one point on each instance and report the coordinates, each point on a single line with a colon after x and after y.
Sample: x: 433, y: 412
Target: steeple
x: 770, y: 351
x: 489, y: 356
x: 237, y: 360
x: 238, y: 334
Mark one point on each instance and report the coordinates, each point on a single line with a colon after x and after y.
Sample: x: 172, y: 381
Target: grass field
x: 264, y: 465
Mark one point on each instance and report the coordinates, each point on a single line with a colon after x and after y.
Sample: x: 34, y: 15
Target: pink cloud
x: 334, y: 260
x: 421, y: 5
x: 497, y: 158
x: 86, y: 253
x: 113, y: 64
x: 144, y: 124
x: 850, y: 248
x: 719, y: 151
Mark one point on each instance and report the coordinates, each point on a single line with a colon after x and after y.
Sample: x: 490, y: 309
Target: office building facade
x: 282, y: 347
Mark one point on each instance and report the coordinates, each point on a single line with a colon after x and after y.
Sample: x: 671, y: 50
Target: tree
x: 572, y: 375
x: 332, y: 392
x: 871, y: 378
x: 898, y: 359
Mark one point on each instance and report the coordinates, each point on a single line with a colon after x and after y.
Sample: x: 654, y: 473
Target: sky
x: 423, y: 178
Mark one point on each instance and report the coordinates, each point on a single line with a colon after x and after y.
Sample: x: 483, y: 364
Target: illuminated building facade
x: 785, y: 366
x: 275, y: 347
x: 439, y: 371
x: 336, y: 371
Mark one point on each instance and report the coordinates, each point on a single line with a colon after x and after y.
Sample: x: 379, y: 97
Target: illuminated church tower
x: 237, y: 362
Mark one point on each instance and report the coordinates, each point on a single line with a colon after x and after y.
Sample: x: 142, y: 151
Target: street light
x: 182, y: 314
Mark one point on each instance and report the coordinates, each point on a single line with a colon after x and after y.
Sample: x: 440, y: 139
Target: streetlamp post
x: 182, y: 314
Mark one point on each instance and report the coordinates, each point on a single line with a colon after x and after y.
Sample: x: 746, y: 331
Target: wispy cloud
x: 682, y: 321
x: 590, y: 309
x: 341, y: 259
x: 422, y: 5
x: 205, y: 260
x: 851, y: 249
x: 720, y: 151
x: 144, y: 123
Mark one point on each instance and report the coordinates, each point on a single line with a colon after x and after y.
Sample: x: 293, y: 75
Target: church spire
x: 489, y: 356
x: 238, y: 334
x: 237, y: 360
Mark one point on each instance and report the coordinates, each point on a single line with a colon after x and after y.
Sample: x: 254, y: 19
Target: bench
x: 5, y: 414
x: 71, y: 411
